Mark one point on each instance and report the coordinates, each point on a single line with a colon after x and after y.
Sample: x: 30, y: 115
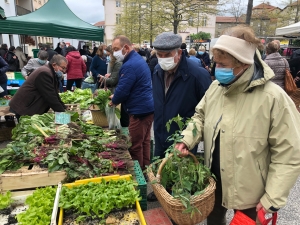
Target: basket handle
x: 161, y: 166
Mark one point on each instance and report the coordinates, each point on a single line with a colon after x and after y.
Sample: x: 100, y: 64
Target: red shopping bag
x: 261, y: 216
x: 241, y: 219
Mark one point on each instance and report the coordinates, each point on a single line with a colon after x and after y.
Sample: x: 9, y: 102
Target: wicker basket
x: 296, y: 98
x: 174, y: 208
x: 5, y: 130
x: 99, y: 117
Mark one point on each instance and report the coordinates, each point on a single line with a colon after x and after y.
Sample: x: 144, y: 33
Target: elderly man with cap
x: 178, y: 85
x: 134, y: 91
x: 250, y: 129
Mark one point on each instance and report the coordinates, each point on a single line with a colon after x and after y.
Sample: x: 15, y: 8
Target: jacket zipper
x: 212, y: 145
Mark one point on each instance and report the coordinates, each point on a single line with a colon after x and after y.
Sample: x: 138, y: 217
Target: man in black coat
x: 40, y: 91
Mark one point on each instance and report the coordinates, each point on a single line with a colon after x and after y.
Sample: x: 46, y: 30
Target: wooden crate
x: 29, y: 179
x: 70, y: 107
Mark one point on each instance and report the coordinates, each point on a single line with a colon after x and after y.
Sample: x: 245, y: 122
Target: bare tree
x: 236, y: 9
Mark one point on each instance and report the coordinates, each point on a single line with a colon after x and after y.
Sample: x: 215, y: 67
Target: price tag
x: 62, y: 118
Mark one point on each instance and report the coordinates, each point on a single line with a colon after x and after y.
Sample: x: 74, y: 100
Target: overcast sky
x: 92, y: 11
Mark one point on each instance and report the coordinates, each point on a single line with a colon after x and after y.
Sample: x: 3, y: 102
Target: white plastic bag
x: 112, y: 119
x: 87, y: 116
x: 1, y: 89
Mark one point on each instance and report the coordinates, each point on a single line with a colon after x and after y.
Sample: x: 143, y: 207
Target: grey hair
x: 43, y: 55
x: 57, y: 59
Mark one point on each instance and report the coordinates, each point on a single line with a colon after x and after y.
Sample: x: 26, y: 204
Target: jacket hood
x: 74, y: 54
x: 259, y: 73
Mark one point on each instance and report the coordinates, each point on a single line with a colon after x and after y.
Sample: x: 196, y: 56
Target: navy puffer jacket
x: 134, y: 89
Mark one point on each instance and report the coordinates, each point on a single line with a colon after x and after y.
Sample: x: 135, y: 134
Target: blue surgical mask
x: 200, y: 53
x: 224, y: 75
x: 104, y: 51
x: 42, y: 62
x: 59, y: 74
x: 108, y: 59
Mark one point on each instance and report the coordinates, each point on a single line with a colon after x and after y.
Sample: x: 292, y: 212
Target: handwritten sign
x: 62, y: 118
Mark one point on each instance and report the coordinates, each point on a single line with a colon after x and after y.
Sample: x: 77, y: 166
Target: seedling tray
x: 99, y: 179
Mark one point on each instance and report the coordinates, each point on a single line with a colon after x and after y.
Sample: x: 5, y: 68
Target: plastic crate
x: 15, y: 82
x: 99, y: 179
x: 19, y: 76
x: 139, y: 177
x: 144, y: 204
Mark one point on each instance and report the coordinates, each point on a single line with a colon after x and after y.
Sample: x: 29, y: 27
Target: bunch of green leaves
x: 26, y: 129
x: 79, y: 161
x: 79, y: 96
x: 40, y: 207
x: 90, y: 129
x: 97, y: 200
x: 101, y: 98
x: 181, y: 175
x: 5, y: 200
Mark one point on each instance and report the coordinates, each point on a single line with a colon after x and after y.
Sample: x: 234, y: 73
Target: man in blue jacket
x: 178, y: 85
x: 134, y: 91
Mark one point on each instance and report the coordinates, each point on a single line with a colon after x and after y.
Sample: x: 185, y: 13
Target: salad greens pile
x: 79, y: 96
x: 96, y: 200
x: 40, y: 207
x: 5, y: 200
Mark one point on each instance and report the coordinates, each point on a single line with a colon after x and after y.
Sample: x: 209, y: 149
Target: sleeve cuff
x: 267, y: 204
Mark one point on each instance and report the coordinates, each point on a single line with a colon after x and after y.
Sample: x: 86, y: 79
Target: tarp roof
x: 291, y: 30
x: 54, y: 19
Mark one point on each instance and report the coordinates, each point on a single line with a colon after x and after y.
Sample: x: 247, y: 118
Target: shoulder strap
x: 203, y: 62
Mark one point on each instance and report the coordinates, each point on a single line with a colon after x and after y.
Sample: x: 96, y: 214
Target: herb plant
x: 181, y: 176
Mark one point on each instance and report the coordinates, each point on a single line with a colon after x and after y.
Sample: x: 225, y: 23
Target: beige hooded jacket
x: 259, y: 128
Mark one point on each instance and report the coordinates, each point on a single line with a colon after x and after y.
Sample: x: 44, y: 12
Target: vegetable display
x: 97, y: 200
x: 79, y: 96
x: 40, y: 207
x: 5, y: 200
x: 74, y: 148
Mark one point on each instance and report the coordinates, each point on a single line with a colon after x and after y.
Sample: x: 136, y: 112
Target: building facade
x: 113, y: 12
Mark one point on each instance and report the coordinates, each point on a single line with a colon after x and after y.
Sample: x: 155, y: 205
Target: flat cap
x: 167, y: 41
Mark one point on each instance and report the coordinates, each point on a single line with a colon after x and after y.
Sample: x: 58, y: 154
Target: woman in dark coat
x: 204, y: 57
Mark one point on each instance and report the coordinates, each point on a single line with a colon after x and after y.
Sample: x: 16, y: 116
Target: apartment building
x: 10, y: 9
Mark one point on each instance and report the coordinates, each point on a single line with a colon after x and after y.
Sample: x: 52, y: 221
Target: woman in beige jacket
x: 250, y: 129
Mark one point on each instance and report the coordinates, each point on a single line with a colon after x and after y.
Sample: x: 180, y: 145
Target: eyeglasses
x: 62, y: 67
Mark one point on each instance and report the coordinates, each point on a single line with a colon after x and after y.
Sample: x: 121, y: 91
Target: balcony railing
x: 22, y: 11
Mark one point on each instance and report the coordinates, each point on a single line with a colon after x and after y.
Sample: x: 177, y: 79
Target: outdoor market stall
x: 54, y: 19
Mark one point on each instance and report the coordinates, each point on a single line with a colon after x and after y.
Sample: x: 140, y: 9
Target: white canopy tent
x: 291, y: 30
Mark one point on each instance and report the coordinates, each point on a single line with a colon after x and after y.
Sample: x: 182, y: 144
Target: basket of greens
x: 184, y: 186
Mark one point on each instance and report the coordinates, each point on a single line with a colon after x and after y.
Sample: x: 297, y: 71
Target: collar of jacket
x: 182, y: 69
x: 256, y: 75
x: 129, y: 55
x: 52, y: 69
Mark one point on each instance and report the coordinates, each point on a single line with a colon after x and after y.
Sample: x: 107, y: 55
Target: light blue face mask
x: 224, y: 75
x: 59, y: 74
x: 42, y: 62
x: 200, y: 53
